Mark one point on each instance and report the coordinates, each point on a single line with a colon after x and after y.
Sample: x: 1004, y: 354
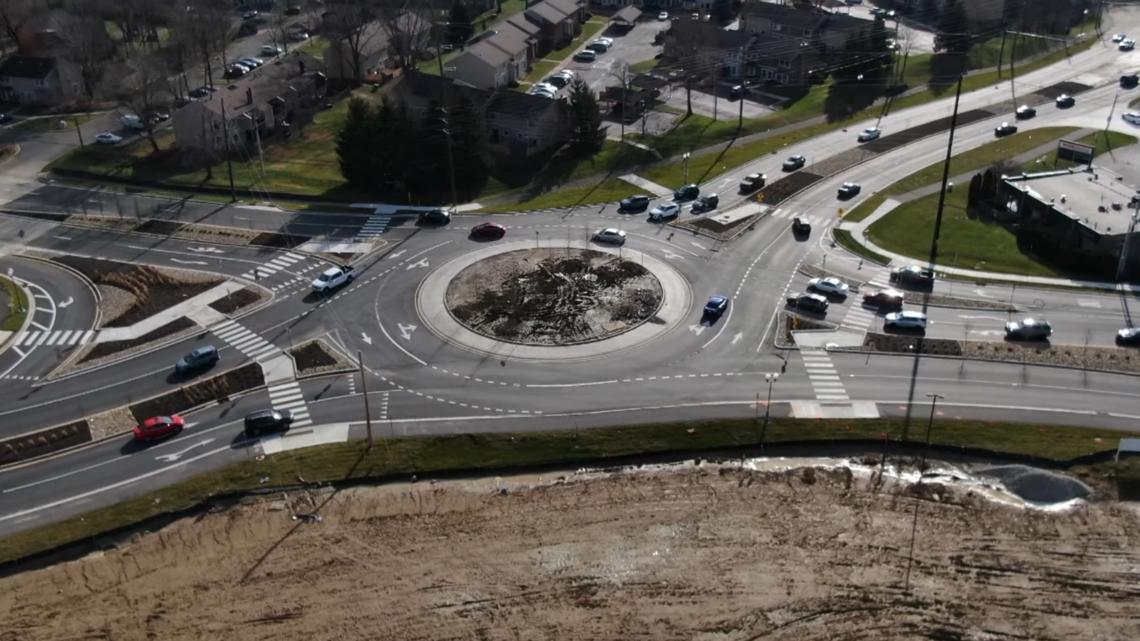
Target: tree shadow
x: 945, y: 68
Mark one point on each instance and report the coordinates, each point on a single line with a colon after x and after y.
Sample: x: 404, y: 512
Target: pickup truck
x: 332, y: 278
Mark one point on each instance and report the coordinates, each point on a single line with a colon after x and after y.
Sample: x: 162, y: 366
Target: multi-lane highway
x: 424, y: 380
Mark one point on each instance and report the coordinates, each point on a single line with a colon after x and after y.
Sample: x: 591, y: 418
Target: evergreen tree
x: 353, y: 144
x: 390, y: 141
x: 878, y: 36
x: 953, y: 30
x: 468, y: 144
x: 586, y: 132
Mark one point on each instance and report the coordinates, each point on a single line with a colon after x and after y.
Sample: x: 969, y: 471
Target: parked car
x: 1120, y: 37
x: 261, y: 421
x: 828, y: 286
x: 568, y: 74
x: 610, y: 236
x: 905, y: 320
x: 1028, y: 329
x: 663, y: 212
x: 546, y: 91
x: 884, y: 299
x: 813, y: 303
x: 5, y: 117
x: 708, y: 202
x: 158, y: 427
x: 270, y: 51
x: 434, y: 217
x: 1131, y: 117
x: 236, y: 70
x: 1128, y: 44
x: 488, y: 231
x: 794, y: 162
x: 557, y: 80
x: 332, y: 278
x: 198, y: 359
x: 1004, y: 129
x: 663, y: 16
x: 849, y: 190
x: 131, y: 121
x: 913, y: 276
x: 247, y: 28
x: 298, y: 36
x: 1128, y: 336
x: 801, y: 227
x: 202, y: 92
x: 293, y: 10
x: 688, y: 192
x: 752, y: 182
x: 585, y: 55
x: 716, y: 307
x: 640, y: 202
x: 1129, y: 80
x: 249, y: 15
x: 736, y: 92
x: 1025, y: 112
x: 1065, y: 101
x: 869, y: 134
x: 250, y: 62
x: 108, y: 138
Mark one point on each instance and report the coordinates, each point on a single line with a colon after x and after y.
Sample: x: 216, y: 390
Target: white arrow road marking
x: 696, y: 244
x: 67, y: 302
x: 206, y: 250
x: 987, y: 332
x: 174, y: 456
x: 737, y: 337
x: 63, y: 237
x: 397, y: 254
x: 670, y: 255
x: 406, y: 331
x: 979, y: 292
x: 423, y: 262
x: 366, y: 338
x: 993, y: 318
x: 188, y: 262
x: 698, y: 329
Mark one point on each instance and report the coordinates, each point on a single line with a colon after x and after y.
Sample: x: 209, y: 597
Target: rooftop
x: 271, y: 79
x: 1097, y: 198
x: 27, y: 67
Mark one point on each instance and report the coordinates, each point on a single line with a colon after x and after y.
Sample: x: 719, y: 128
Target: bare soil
x: 316, y: 357
x: 238, y: 299
x: 154, y: 288
x: 709, y: 553
x: 553, y: 297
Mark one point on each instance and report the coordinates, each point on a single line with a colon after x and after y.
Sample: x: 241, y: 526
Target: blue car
x: 716, y: 306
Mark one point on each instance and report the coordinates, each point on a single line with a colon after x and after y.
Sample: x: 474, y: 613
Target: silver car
x: 905, y: 320
x: 829, y: 286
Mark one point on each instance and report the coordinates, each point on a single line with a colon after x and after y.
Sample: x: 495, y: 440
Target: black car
x: 752, y: 182
x: 267, y: 421
x: 849, y: 190
x: 1004, y: 129
x: 434, y: 217
x: 913, y: 276
x: 1128, y: 336
x: 202, y: 92
x: 736, y: 92
x: 813, y: 303
x: 1065, y: 101
x: 794, y: 162
x: 688, y: 192
x: 705, y: 203
x: 634, y: 203
x: 1025, y: 112
x: 488, y: 231
x: 800, y: 227
x: 1129, y: 81
x: 248, y: 28
x: 199, y: 358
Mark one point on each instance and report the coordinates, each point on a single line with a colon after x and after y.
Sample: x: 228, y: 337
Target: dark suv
x: 435, y: 217
x: 200, y: 358
x: 267, y: 421
x: 634, y: 203
x: 913, y: 276
x: 1129, y: 81
x: 688, y: 192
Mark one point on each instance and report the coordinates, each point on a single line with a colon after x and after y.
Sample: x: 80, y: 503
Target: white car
x: 609, y: 42
x: 108, y: 138
x: 610, y: 235
x: 905, y: 320
x: 831, y: 286
x: 270, y: 51
x: 542, y: 91
x: 870, y: 133
x: 1127, y: 45
x: 663, y: 16
x: 664, y: 211
x: 546, y: 86
x: 568, y: 74
x: 1120, y: 37
x: 1131, y: 117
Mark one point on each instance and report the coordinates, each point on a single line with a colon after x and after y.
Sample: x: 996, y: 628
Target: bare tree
x: 408, y: 28
x: 278, y: 29
x: 314, y: 10
x: 137, y: 20
x: 205, y: 31
x: 86, y: 41
x: 140, y: 86
x: 348, y: 28
x: 14, y: 16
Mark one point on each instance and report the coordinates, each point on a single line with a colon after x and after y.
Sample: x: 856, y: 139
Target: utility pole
x: 1013, y: 68
x: 364, y: 388
x: 945, y: 177
x: 443, y: 106
x: 624, y: 85
x: 1108, y: 121
x: 1123, y: 262
x: 229, y: 159
x: 714, y: 70
x: 740, y: 77
x: 78, y: 132
x: 771, y: 377
x: 1001, y: 51
x: 914, y: 521
x: 685, y: 157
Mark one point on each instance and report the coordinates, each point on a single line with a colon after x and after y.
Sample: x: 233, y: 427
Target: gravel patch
x: 110, y: 423
x: 113, y: 303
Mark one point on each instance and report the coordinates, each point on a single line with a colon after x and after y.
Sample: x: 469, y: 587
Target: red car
x: 159, y: 427
x: 489, y: 231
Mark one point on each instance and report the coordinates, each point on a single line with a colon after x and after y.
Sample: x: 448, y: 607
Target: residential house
x: 519, y: 125
x: 40, y: 81
x: 559, y: 22
x: 828, y: 32
x: 267, y: 105
x: 769, y: 60
x: 381, y: 46
x: 502, y: 56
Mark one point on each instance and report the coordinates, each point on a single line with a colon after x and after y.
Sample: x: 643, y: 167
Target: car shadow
x: 175, y: 378
x: 134, y: 446
x: 904, y: 331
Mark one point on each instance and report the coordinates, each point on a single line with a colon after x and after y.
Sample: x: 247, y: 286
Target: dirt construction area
x: 708, y: 553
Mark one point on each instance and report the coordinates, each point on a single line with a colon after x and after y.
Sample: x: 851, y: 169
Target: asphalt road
x: 430, y: 384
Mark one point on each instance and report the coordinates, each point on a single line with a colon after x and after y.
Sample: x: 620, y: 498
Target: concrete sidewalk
x: 648, y: 185
x: 192, y: 307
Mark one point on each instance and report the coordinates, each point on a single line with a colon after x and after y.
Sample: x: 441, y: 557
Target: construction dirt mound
x: 685, y: 552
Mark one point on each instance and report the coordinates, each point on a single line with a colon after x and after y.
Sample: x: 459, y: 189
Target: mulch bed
x: 312, y: 356
x: 217, y: 388
x: 161, y: 227
x: 234, y: 301
x: 99, y: 350
x: 286, y: 241
x: 781, y: 189
x: 43, y: 442
x: 911, y: 343
x: 154, y: 290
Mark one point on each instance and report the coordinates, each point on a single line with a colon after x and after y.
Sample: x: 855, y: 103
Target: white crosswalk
x: 285, y: 270
x: 244, y: 340
x: 56, y: 338
x: 288, y: 396
x: 858, y: 317
x: 824, y: 379
x: 881, y: 279
x: 815, y: 220
x: 279, y: 263
x: 375, y: 225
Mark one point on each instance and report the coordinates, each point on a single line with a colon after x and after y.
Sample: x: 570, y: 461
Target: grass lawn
x: 315, y: 46
x: 844, y: 238
x: 541, y: 70
x: 606, y: 190
x: 1105, y: 142
x: 645, y: 66
x: 425, y: 456
x: 971, y: 244
x: 977, y: 158
x: 17, y: 308
x: 51, y: 123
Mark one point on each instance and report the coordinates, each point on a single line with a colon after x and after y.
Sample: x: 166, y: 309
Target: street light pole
x: 771, y: 377
x: 914, y: 521
x: 685, y: 158
x: 364, y: 388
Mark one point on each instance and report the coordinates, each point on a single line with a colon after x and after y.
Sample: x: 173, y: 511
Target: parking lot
x: 632, y: 47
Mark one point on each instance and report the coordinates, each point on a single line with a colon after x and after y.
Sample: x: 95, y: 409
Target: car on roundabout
x: 663, y: 212
x: 869, y: 134
x: 1129, y: 336
x: 1025, y: 112
x: 828, y: 286
x: 716, y: 306
x: 609, y: 236
x: 913, y: 276
x: 1004, y: 129
x: 812, y: 303
x: 1128, y: 44
x: 849, y: 190
x: 688, y: 192
x: 888, y: 300
x: 752, y: 182
x: 1028, y: 329
x: 1120, y: 37
x: 1129, y: 80
x: 793, y: 163
x: 905, y: 320
x: 664, y: 15
x: 801, y: 227
x: 157, y: 428
x: 434, y: 218
x: 639, y: 202
x: 487, y: 231
x: 1064, y: 101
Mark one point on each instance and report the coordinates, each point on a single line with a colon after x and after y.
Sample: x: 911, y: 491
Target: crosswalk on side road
x: 245, y: 341
x: 56, y: 338
x: 824, y: 379
x: 376, y: 225
x: 815, y: 220
x: 288, y: 396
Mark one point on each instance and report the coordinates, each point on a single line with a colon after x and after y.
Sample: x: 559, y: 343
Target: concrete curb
x: 864, y: 352
x: 94, y: 324
x: 31, y: 311
x: 16, y: 149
